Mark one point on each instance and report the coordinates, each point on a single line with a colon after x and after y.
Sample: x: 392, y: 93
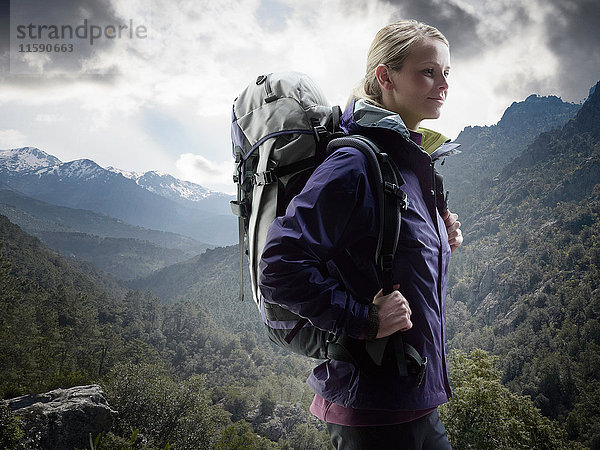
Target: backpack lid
x: 279, y: 102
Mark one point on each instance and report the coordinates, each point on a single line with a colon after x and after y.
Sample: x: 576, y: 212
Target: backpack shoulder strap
x: 392, y: 202
x: 391, y: 199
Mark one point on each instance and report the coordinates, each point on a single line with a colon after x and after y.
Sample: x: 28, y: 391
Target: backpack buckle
x: 387, y: 262
x: 263, y: 178
x: 320, y: 133
x: 393, y: 189
x: 240, y: 208
x: 421, y: 372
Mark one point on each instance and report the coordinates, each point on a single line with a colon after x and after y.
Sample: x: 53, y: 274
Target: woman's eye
x: 429, y: 72
x: 446, y: 74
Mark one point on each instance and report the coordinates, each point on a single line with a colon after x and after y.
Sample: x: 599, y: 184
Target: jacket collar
x: 366, y: 118
x: 368, y: 115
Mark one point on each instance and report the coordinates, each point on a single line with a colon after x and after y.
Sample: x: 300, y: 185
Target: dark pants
x: 427, y: 432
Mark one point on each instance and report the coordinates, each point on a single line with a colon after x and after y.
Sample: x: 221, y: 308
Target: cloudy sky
x: 159, y: 96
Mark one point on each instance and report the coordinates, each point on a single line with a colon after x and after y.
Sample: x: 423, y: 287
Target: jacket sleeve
x: 335, y: 209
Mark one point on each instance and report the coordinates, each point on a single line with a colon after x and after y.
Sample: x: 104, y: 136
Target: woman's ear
x: 382, y: 72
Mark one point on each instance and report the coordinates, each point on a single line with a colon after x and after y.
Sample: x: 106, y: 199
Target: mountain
x: 486, y: 150
x: 156, y: 202
x: 525, y: 285
x: 211, y: 279
x: 25, y: 159
x: 184, y: 192
x: 36, y: 216
x: 113, y: 246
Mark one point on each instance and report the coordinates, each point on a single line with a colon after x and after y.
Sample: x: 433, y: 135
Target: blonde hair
x: 391, y: 46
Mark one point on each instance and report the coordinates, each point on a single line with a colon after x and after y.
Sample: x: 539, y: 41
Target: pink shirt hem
x: 340, y: 415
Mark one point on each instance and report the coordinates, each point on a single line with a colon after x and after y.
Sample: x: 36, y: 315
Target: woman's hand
x: 455, y: 237
x: 393, y: 311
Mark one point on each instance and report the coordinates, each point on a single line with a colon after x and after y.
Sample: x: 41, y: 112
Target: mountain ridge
x: 486, y: 150
x: 62, y: 218
x: 159, y: 202
x: 25, y: 159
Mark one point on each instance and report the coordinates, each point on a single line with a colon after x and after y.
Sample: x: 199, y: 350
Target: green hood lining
x: 432, y: 140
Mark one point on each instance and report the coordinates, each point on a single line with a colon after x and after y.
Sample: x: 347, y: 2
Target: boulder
x: 63, y: 418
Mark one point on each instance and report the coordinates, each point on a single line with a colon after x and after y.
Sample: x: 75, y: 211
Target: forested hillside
x: 211, y: 279
x: 59, y: 328
x: 177, y: 377
x: 525, y: 285
x: 123, y: 250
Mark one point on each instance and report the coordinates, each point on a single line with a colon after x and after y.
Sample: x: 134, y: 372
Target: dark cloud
x: 60, y: 13
x: 469, y: 30
x: 457, y: 24
x: 4, y: 34
x: 573, y: 30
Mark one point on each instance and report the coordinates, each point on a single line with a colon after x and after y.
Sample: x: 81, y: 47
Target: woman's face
x: 420, y: 86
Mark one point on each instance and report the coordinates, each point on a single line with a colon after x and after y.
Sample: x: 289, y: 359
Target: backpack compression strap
x: 240, y: 208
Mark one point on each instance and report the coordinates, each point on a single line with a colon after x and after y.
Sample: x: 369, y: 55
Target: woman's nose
x: 443, y: 83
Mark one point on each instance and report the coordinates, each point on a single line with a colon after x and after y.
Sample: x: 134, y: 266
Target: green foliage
x: 162, y: 409
x: 125, y: 258
x: 110, y: 441
x: 267, y: 404
x: 306, y: 437
x: 240, y: 436
x: 483, y: 414
x: 211, y: 279
x: 235, y: 400
x: 11, y: 434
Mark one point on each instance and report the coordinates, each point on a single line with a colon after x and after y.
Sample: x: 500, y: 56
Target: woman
x: 334, y: 217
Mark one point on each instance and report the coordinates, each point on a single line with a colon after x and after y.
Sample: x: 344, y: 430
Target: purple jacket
x: 334, y: 219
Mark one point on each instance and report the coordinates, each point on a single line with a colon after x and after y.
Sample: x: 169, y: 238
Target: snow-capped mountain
x: 26, y: 159
x: 151, y: 200
x: 167, y: 185
x: 80, y: 169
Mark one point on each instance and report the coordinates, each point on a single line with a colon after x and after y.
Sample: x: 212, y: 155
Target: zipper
x: 432, y: 195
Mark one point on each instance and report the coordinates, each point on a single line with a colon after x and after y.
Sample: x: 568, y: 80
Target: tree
x: 240, y: 436
x: 11, y: 434
x: 483, y: 414
x: 162, y: 409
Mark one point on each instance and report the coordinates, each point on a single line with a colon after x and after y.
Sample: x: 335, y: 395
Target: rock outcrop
x: 63, y: 418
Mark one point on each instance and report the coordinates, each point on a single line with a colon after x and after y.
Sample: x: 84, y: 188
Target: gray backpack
x: 275, y: 130
x: 282, y: 129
